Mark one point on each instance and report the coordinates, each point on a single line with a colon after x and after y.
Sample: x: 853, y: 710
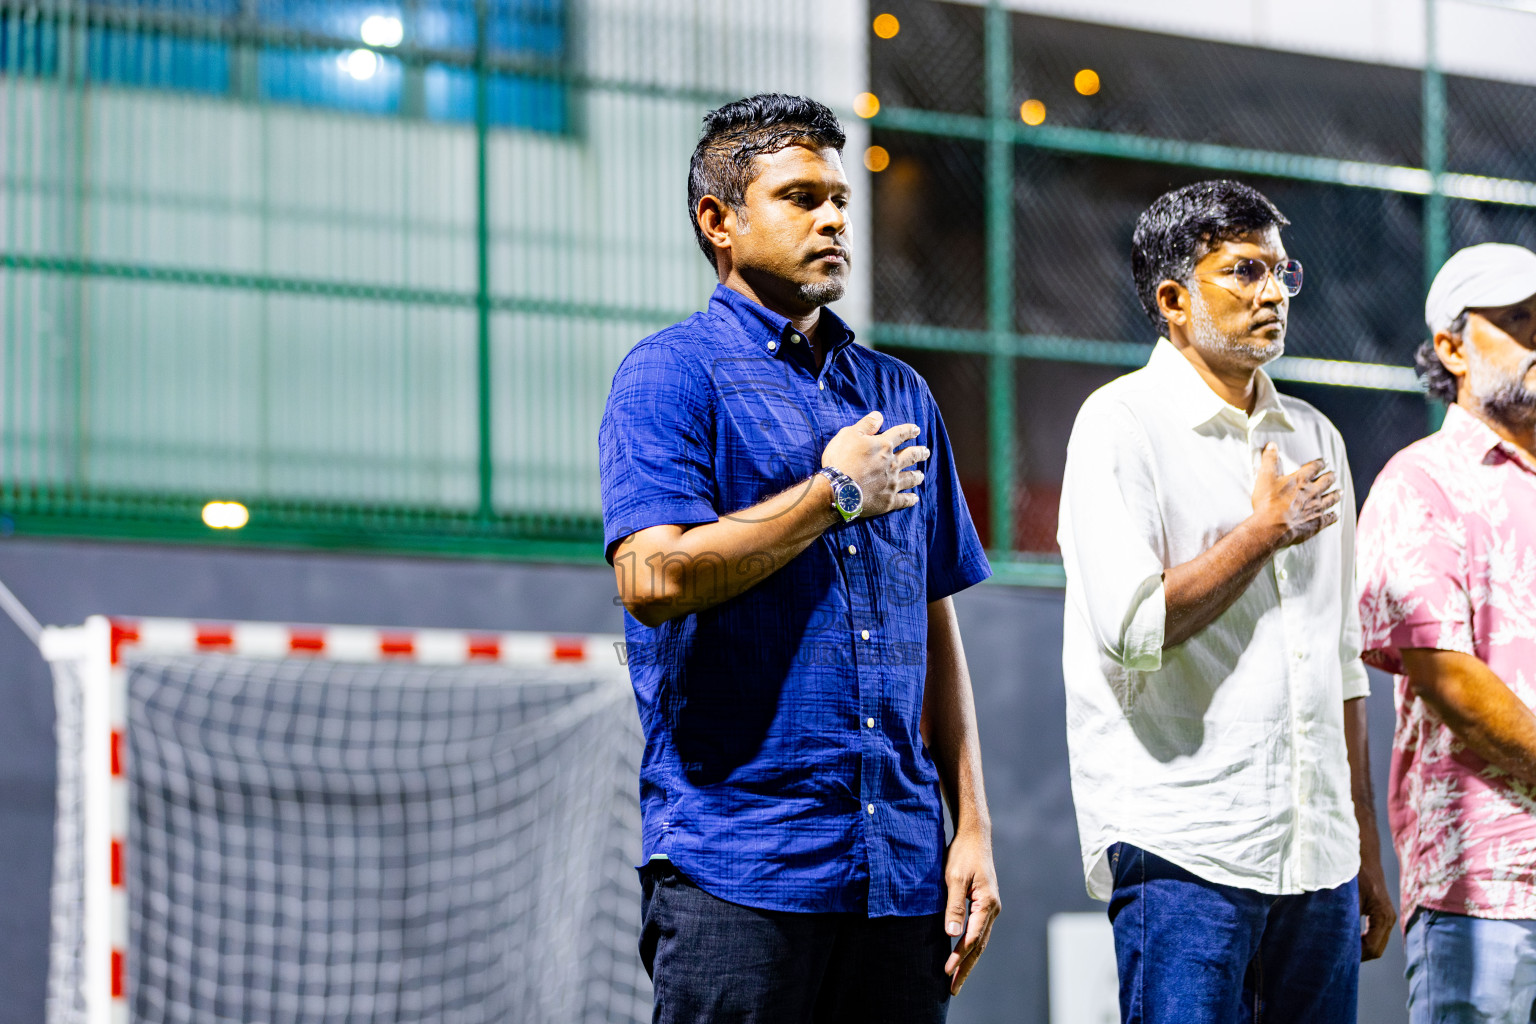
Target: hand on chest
x: 1206, y: 488
x: 774, y: 429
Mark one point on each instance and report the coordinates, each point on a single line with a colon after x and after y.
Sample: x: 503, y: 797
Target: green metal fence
x: 373, y: 290
x: 375, y: 287
x: 1374, y: 217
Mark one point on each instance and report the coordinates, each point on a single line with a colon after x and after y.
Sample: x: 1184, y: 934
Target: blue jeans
x: 722, y: 963
x: 1463, y: 969
x: 1194, y: 952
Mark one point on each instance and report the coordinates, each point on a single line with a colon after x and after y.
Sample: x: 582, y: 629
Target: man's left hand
x: 969, y: 875
x: 1376, y: 905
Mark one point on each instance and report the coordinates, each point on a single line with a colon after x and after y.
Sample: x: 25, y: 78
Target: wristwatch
x: 847, y: 496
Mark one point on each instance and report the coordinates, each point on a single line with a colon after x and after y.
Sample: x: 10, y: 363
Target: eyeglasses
x: 1250, y: 274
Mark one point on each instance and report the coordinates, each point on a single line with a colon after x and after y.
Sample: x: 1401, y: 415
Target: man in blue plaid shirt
x: 786, y: 527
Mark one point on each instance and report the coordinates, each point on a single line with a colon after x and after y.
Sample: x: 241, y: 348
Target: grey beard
x: 1509, y: 401
x: 821, y: 293
x: 1210, y: 338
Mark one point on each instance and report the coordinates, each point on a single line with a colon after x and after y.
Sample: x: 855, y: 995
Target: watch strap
x: 839, y: 479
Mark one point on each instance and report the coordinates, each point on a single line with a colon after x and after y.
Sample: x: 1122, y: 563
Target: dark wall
x: 1013, y: 638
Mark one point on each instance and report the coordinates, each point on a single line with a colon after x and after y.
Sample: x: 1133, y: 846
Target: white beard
x: 824, y: 292
x: 1210, y: 339
x: 1504, y: 397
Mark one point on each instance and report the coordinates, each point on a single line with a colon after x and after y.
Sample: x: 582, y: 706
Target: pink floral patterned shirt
x: 1447, y: 559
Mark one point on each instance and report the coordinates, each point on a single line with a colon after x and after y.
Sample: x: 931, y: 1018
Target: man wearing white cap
x: 1447, y: 574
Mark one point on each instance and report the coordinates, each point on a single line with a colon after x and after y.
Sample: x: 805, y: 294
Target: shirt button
x: 853, y: 549
x: 772, y: 345
x: 870, y: 808
x: 865, y: 634
x: 1298, y: 655
x: 822, y: 384
x: 1280, y: 575
x: 796, y: 338
x: 870, y: 722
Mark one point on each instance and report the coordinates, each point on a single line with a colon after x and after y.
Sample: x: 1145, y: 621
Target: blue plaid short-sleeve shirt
x: 783, y: 767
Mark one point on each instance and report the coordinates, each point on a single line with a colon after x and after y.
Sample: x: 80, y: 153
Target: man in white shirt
x: 1215, y: 694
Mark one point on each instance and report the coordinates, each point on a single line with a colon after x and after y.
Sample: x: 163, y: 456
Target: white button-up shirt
x: 1224, y: 754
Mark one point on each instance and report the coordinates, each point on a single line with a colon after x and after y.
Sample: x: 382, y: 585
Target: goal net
x: 336, y: 825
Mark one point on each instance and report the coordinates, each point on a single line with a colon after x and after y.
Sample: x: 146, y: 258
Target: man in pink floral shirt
x: 1447, y: 575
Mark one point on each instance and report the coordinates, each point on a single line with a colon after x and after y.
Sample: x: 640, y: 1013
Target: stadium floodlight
x: 262, y: 822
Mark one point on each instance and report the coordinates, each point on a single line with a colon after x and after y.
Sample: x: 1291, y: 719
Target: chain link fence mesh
x: 241, y: 242
x: 1489, y: 126
x: 936, y: 61
x: 1073, y: 214
x: 1239, y: 96
x: 929, y: 223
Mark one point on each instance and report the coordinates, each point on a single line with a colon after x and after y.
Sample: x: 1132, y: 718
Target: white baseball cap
x: 1480, y: 276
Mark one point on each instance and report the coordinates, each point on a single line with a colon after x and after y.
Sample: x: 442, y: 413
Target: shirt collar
x: 1476, y: 438
x: 771, y: 332
x: 1189, y: 391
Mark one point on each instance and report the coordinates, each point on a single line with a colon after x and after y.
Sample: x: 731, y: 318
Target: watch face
x: 849, y: 498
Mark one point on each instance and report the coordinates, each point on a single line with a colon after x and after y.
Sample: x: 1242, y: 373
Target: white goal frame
x: 99, y: 649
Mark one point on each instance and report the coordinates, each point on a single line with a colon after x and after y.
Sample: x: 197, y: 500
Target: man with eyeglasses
x: 1448, y: 603
x: 1215, y: 693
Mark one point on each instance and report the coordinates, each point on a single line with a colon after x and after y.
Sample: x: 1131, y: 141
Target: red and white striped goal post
x: 102, y: 646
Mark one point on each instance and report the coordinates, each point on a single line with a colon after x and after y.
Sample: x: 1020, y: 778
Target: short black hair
x: 1439, y: 383
x: 1181, y: 226
x: 738, y: 133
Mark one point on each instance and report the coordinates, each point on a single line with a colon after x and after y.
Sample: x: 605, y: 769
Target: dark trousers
x: 1194, y: 952
x: 715, y: 962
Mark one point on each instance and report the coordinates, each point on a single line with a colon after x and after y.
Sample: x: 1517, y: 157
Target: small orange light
x: 866, y: 104
x: 1086, y: 81
x: 877, y: 159
x: 1032, y: 112
x: 886, y: 26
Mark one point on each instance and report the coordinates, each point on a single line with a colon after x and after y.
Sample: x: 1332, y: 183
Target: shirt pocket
x: 768, y: 441
x: 894, y: 576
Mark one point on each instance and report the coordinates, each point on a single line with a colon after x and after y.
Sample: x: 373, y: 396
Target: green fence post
x: 74, y: 161
x: 1435, y: 215
x: 413, y: 84
x: 483, y: 263
x: 999, y: 177
x: 244, y: 54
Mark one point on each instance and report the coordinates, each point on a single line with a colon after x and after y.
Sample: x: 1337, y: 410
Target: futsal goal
x: 262, y: 823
